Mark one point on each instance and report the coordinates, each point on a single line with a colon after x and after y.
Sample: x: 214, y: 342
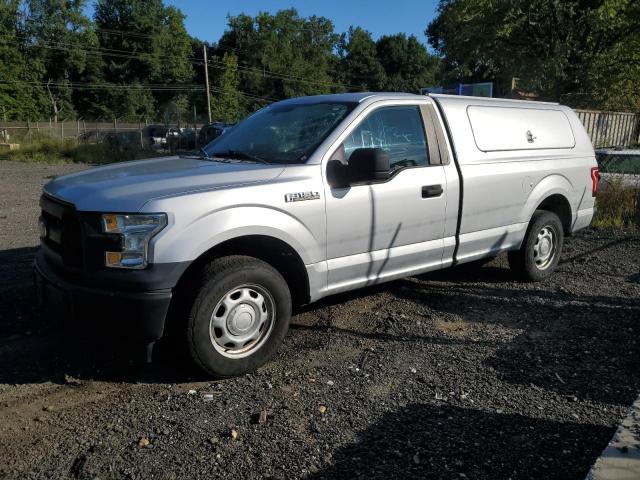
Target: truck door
x: 392, y: 228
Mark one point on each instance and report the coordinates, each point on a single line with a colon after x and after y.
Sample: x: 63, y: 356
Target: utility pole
x: 206, y: 80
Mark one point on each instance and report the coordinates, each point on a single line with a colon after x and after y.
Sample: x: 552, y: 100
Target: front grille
x: 63, y: 233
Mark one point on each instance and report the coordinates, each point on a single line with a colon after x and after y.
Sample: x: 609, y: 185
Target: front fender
x: 186, y: 243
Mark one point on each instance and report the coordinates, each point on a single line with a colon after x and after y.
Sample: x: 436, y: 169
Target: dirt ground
x: 464, y: 373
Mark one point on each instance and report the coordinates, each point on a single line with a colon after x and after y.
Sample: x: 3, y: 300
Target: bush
x: 618, y: 206
x: 53, y: 150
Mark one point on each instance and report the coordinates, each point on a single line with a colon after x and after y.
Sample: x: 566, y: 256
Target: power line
x: 124, y: 33
x: 153, y: 87
x: 106, y: 51
x: 194, y: 61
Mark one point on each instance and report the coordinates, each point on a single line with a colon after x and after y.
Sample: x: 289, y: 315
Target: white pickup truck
x: 306, y: 198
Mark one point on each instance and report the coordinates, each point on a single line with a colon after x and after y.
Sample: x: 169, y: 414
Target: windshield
x: 286, y: 133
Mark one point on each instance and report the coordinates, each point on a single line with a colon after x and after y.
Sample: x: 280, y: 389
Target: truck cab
x: 306, y: 198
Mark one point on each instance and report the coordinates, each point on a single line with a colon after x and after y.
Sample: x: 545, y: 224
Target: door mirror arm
x: 337, y: 174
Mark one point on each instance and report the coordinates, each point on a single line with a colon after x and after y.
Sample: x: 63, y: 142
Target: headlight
x: 136, y: 230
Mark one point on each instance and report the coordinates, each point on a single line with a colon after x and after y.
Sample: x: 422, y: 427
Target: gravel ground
x: 464, y: 373
x: 621, y: 458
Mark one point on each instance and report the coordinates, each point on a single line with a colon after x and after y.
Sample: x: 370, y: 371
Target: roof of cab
x: 354, y: 97
x: 359, y: 97
x: 464, y: 99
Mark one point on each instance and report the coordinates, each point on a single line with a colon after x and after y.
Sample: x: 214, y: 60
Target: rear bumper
x: 136, y: 315
x: 583, y: 219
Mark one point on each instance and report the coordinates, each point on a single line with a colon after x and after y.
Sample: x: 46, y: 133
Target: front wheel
x: 541, y: 247
x: 239, y: 317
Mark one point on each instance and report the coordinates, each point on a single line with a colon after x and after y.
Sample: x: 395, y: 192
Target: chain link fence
x: 23, y: 132
x: 130, y: 135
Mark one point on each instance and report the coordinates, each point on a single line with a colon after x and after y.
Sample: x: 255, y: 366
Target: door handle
x: 431, y: 191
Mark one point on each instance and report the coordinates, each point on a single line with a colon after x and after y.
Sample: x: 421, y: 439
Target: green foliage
x: 20, y: 96
x: 407, y: 64
x: 284, y: 55
x: 226, y: 104
x: 359, y: 61
x: 556, y: 47
x: 395, y: 63
x: 54, y: 150
x: 281, y: 55
x: 61, y: 40
x: 159, y: 49
x: 618, y: 206
x: 135, y: 60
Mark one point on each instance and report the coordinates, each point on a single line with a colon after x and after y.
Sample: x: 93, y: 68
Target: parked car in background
x: 157, y: 136
x: 114, y: 139
x: 621, y: 165
x: 211, y: 131
x: 185, y: 140
x: 307, y: 198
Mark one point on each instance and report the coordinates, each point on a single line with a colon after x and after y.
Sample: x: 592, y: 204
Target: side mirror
x: 367, y: 164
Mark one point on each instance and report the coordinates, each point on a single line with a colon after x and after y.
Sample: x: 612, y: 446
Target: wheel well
x: 275, y: 252
x: 559, y: 205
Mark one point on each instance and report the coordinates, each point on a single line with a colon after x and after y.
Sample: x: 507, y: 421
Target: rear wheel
x: 541, y: 247
x: 239, y: 316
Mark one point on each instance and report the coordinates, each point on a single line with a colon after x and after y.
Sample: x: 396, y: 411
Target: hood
x: 126, y: 187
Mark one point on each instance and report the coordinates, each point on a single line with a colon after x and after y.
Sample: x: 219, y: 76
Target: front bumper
x: 136, y: 315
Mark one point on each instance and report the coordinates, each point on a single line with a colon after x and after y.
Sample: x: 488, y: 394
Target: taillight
x: 595, y: 179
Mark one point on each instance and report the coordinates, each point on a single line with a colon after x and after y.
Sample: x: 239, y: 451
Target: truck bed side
x: 501, y: 188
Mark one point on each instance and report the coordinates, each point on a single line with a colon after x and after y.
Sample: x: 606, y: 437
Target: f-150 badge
x: 301, y: 196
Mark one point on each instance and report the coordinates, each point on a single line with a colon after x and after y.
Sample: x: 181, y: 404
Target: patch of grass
x: 618, y: 207
x: 52, y: 150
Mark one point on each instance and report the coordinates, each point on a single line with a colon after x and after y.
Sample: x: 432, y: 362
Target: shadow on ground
x: 428, y: 441
x: 35, y: 348
x: 582, y: 345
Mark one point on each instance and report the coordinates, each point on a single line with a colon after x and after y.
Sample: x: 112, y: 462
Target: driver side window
x: 397, y: 130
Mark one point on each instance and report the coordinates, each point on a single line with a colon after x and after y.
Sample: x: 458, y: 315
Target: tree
x: 282, y: 55
x: 63, y: 41
x: 21, y: 93
x: 359, y: 62
x: 144, y: 43
x: 407, y: 63
x: 226, y: 103
x: 556, y: 47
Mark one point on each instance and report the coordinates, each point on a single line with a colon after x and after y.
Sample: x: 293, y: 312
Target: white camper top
x: 487, y: 130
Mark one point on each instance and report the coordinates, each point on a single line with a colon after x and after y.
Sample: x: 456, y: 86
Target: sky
x: 207, y: 19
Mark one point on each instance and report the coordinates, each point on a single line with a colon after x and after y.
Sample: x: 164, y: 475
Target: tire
x: 541, y: 248
x: 239, y: 316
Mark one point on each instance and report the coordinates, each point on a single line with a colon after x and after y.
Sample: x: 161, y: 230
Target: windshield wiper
x: 238, y: 155
x: 203, y: 154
